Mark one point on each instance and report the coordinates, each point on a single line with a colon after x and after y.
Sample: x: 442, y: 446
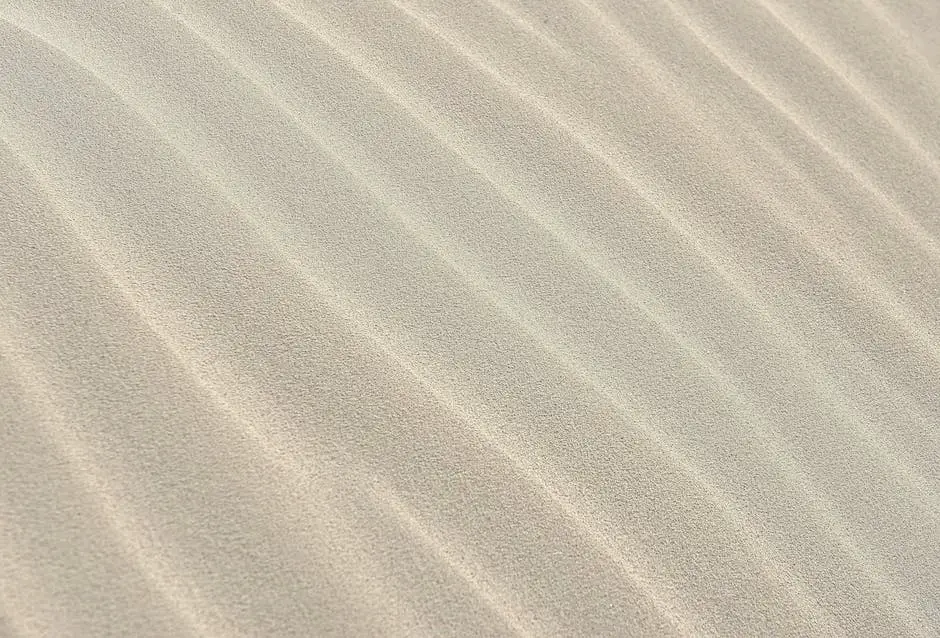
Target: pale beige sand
x: 471, y: 318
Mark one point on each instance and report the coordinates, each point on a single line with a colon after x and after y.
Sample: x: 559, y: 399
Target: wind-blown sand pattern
x: 470, y: 318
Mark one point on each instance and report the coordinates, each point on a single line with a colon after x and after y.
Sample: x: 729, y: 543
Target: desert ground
x: 469, y: 318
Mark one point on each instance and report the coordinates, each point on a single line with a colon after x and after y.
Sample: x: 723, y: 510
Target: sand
x: 469, y: 318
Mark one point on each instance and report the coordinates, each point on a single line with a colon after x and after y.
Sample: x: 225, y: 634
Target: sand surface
x: 469, y: 318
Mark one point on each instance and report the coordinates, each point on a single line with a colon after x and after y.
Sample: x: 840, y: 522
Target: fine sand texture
x: 469, y: 318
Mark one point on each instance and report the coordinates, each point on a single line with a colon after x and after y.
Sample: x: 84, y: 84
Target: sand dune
x: 493, y: 317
